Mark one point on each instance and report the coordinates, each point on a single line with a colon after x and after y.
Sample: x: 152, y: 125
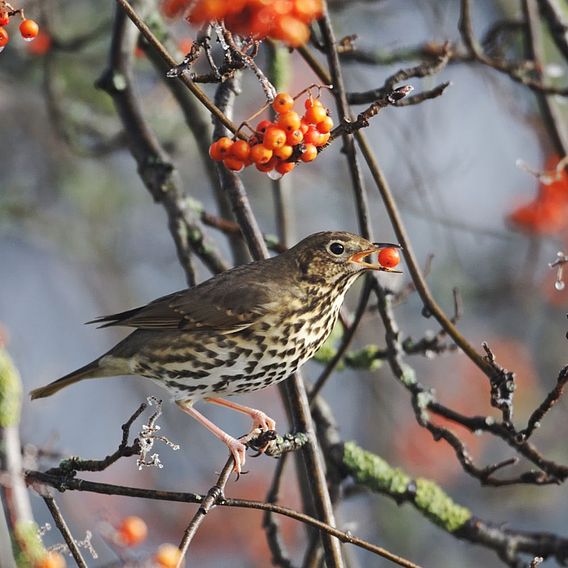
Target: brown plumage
x: 240, y: 331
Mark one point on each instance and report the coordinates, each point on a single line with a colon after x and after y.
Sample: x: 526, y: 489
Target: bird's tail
x: 89, y: 371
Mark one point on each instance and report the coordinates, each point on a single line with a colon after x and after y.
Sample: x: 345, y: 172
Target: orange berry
x: 263, y: 126
x: 132, y: 531
x: 285, y: 167
x: 268, y: 166
x: 173, y: 8
x: 315, y: 114
x: 291, y: 31
x: 284, y: 153
x: 274, y: 137
x: 289, y: 121
x: 215, y: 152
x: 167, y: 556
x: 240, y: 150
x: 42, y: 44
x: 309, y: 154
x: 29, y: 29
x: 282, y: 7
x: 304, y: 126
x: 4, y: 19
x: 207, y: 11
x: 295, y: 137
x: 4, y: 38
x: 307, y: 10
x: 311, y: 102
x: 325, y: 125
x: 260, y: 154
x: 283, y: 103
x: 389, y: 257
x: 50, y: 559
x: 225, y: 144
x: 323, y: 139
x: 233, y: 164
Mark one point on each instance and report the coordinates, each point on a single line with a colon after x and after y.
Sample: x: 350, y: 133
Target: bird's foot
x: 262, y: 420
x: 238, y: 451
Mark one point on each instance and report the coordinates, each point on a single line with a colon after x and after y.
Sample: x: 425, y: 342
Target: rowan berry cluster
x: 28, y: 28
x: 276, y: 147
x: 286, y: 20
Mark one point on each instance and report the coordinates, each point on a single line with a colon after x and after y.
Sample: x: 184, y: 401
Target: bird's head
x: 334, y: 255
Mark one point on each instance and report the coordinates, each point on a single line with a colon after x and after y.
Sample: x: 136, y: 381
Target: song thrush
x: 240, y: 331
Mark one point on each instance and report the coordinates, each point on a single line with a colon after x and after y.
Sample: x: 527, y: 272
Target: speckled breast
x: 196, y: 365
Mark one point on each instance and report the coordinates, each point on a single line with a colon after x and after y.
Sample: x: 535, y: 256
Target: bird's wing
x: 226, y: 303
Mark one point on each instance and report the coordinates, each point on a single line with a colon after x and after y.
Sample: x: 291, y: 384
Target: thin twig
x: 79, y: 484
x: 214, y: 495
x: 64, y: 530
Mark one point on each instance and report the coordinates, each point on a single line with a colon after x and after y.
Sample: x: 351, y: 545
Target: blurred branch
x: 518, y: 72
x: 553, y: 118
x: 14, y: 498
x: 196, y: 90
x: 556, y: 17
x: 154, y: 166
x: 425, y: 69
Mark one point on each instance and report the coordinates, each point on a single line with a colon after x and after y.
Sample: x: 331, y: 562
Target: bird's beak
x: 359, y: 257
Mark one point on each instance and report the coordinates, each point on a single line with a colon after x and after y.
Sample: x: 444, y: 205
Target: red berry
x: 240, y: 150
x: 233, y: 164
x: 4, y: 38
x: 274, y: 137
x: 132, y: 531
x: 263, y: 125
x: 312, y: 136
x: 4, y: 19
x: 389, y: 257
x: 283, y: 103
x: 260, y: 154
x: 214, y: 152
x: 309, y: 154
x: 29, y: 29
x: 285, y: 167
x: 268, y: 166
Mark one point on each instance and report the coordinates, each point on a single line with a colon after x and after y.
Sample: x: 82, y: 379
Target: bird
x: 240, y: 331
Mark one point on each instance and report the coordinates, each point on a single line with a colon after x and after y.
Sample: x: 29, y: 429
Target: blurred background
x: 80, y: 237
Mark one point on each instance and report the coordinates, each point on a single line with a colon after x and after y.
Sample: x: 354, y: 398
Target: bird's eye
x: 336, y: 248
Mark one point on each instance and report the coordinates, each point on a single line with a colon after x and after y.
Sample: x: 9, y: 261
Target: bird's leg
x: 237, y: 449
x: 259, y: 418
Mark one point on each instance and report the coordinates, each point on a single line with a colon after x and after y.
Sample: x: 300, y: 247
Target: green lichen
x: 373, y: 472
x: 10, y: 391
x: 27, y: 544
x: 439, y: 507
x: 365, y: 358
